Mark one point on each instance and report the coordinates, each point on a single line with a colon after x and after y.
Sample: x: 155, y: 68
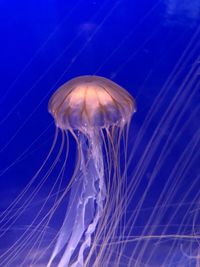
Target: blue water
x: 141, y: 45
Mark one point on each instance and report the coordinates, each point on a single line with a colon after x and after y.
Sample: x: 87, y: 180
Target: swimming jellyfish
x: 97, y: 112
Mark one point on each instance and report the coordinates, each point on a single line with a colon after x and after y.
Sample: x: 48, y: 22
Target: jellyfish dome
x: 91, y: 101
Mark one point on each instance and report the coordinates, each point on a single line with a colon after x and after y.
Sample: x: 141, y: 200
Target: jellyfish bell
x: 89, y: 102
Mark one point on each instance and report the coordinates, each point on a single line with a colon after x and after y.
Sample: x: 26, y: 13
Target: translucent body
x: 84, y: 208
x: 90, y: 101
x: 88, y: 104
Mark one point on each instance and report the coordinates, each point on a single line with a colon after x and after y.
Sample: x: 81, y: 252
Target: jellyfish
x: 95, y: 111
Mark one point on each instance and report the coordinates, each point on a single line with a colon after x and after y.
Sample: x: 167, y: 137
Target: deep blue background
x: 45, y: 43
